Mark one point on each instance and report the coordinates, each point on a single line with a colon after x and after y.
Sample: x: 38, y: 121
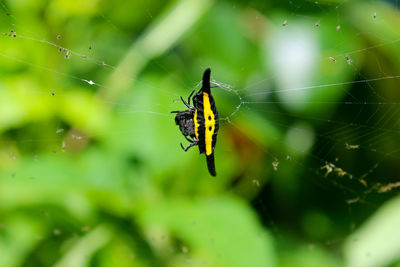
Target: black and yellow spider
x: 199, y: 123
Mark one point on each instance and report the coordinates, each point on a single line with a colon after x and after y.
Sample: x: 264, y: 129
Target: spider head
x: 184, y: 119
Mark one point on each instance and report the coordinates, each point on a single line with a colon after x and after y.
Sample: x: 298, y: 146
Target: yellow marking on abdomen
x: 209, y: 120
x: 196, y: 125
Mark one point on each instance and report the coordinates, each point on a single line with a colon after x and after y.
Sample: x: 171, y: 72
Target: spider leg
x: 189, y: 146
x: 190, y: 96
x: 186, y: 103
x: 177, y: 111
x: 190, y: 140
x: 214, y: 86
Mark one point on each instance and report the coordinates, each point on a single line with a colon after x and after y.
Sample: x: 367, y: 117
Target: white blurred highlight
x: 300, y: 138
x: 293, y: 52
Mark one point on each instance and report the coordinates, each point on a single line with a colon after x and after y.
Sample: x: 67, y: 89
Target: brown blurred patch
x: 75, y: 141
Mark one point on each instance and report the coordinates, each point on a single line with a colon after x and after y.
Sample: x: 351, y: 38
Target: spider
x: 199, y: 124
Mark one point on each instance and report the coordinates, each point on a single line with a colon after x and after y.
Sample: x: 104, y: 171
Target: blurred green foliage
x: 91, y: 173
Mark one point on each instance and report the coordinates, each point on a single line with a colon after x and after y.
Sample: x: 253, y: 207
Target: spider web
x: 320, y: 132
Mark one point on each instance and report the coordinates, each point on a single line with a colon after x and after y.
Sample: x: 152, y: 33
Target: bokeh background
x: 307, y: 158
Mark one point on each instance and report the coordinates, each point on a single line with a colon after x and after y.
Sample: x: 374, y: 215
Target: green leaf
x: 377, y: 242
x: 80, y: 253
x: 224, y: 231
